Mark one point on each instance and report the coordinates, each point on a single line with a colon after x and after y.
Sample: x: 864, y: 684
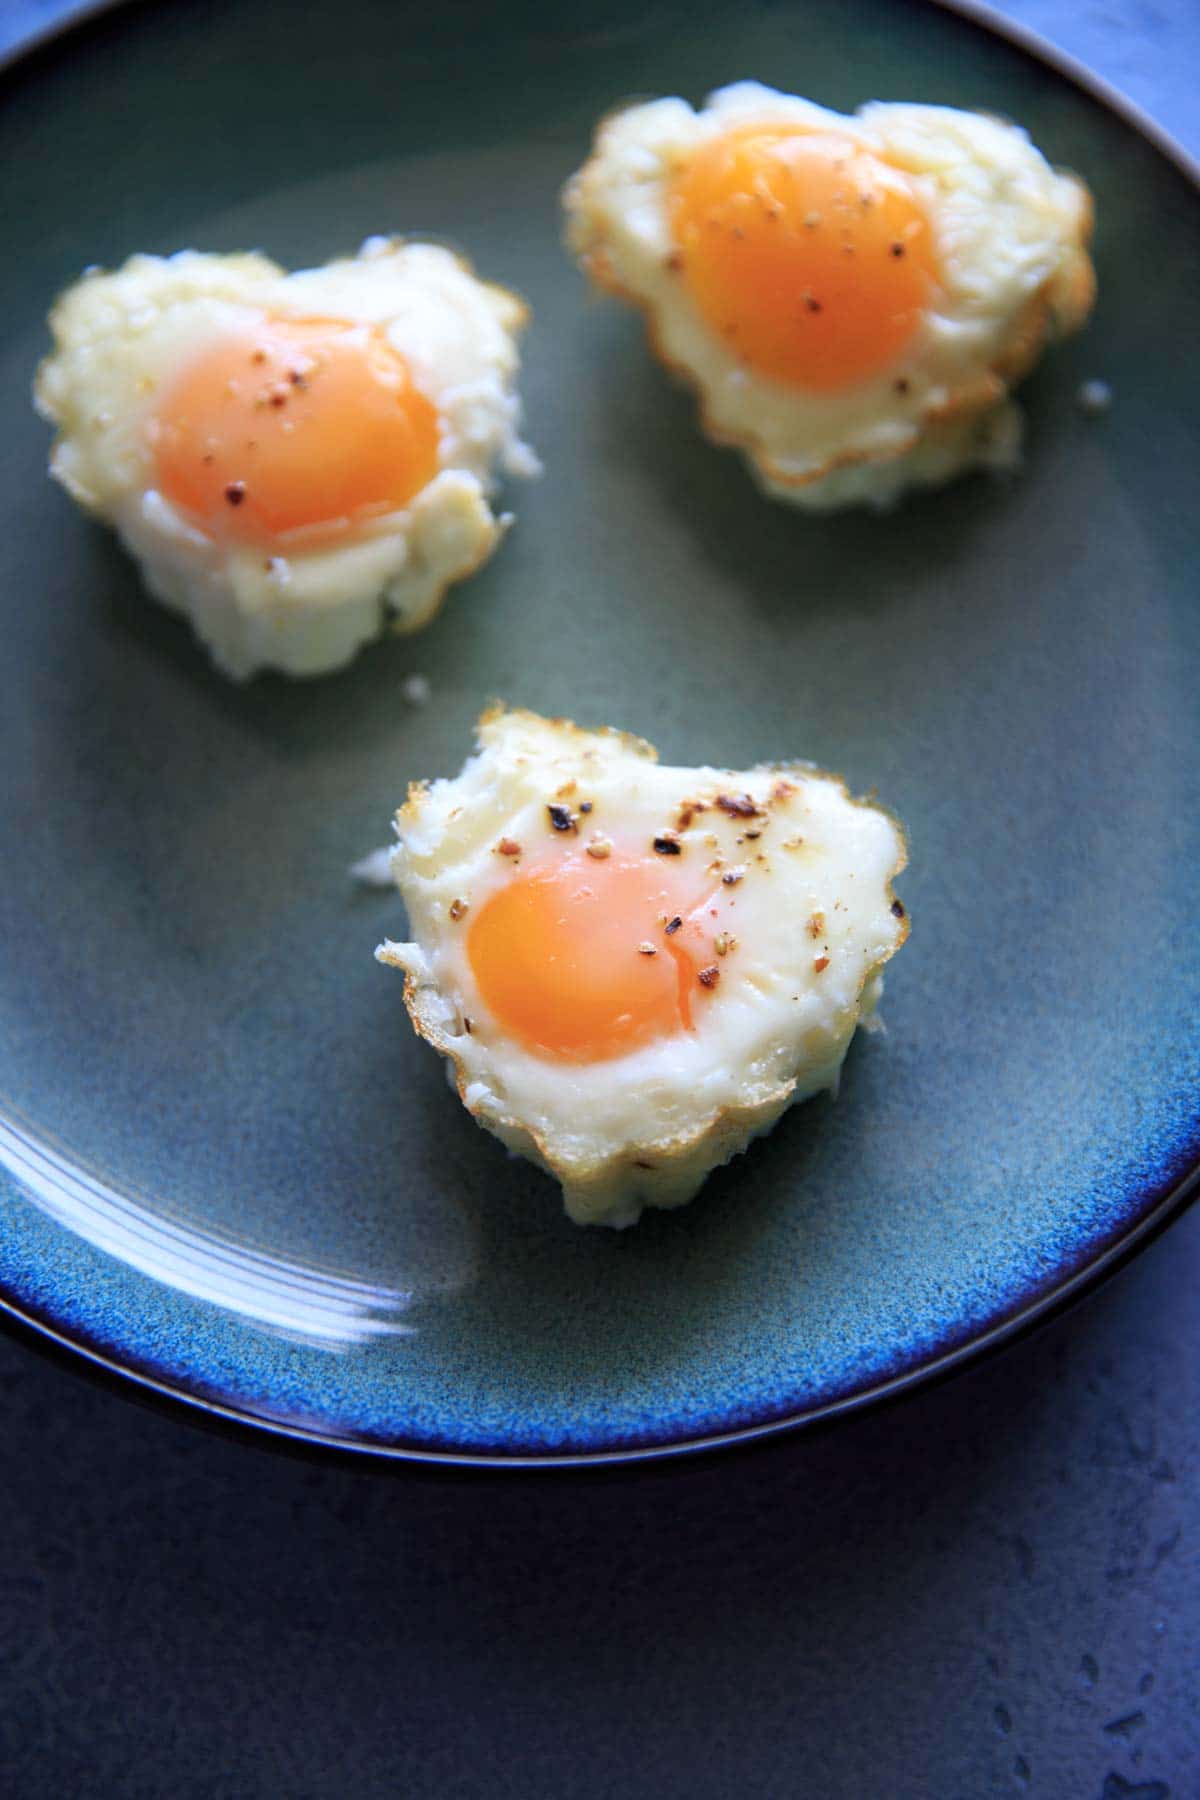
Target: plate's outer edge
x: 48, y: 33
x: 248, y: 1426
x: 1023, y: 37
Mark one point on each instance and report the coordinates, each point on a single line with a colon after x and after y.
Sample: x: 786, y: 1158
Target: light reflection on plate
x: 299, y: 1301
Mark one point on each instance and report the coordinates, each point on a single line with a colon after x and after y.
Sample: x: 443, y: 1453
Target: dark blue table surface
x: 992, y: 1589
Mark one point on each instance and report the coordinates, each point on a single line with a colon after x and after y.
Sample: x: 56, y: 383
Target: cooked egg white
x: 852, y: 297
x: 295, y: 460
x: 633, y: 969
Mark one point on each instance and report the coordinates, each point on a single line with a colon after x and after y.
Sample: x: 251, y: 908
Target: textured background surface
x: 993, y: 1589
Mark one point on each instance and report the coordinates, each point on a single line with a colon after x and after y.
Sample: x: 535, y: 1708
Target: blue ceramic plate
x: 232, y: 1172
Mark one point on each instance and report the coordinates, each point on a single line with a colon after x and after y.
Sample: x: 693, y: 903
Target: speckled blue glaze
x: 202, y: 1069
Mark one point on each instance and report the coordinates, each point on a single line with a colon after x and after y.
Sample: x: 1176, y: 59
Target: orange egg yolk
x: 294, y: 432
x: 574, y: 959
x: 809, y: 256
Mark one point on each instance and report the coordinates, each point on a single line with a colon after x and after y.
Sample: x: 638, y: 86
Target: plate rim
x: 245, y: 1426
x: 25, y: 1325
